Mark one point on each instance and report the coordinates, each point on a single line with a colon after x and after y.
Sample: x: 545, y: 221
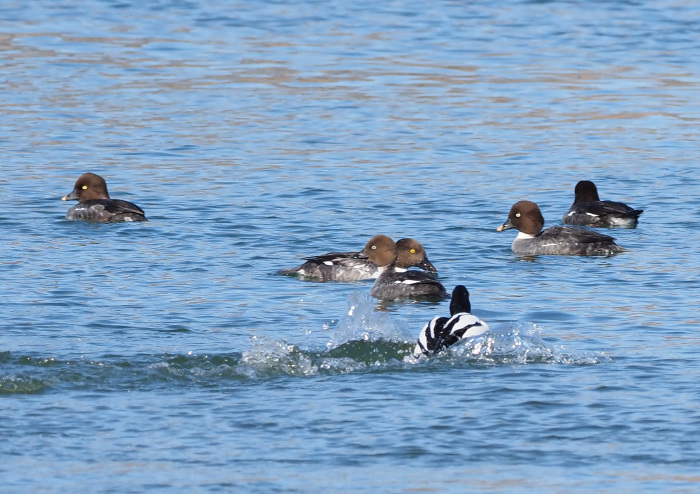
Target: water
x: 140, y: 357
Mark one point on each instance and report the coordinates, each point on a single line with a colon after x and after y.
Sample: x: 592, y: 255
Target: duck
x: 410, y: 253
x: 95, y: 205
x: 443, y: 332
x: 396, y: 281
x: 357, y: 266
x: 589, y: 210
x: 335, y: 266
x: 525, y: 216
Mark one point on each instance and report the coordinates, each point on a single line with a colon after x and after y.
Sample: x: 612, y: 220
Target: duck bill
x: 505, y: 226
x: 427, y: 265
x: 73, y: 196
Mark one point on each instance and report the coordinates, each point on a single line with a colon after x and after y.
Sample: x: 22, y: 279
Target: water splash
x: 18, y: 384
x: 268, y: 358
x: 362, y: 322
x: 519, y: 343
x: 364, y: 340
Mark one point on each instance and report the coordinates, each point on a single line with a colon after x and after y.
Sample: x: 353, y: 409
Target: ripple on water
x: 284, y: 130
x: 364, y: 340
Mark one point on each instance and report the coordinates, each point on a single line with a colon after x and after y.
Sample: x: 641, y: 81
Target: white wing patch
x: 464, y: 320
x: 435, y: 337
x: 406, y: 282
x: 426, y: 334
x: 328, y: 263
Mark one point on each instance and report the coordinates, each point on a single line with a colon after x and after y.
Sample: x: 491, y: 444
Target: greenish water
x: 140, y: 357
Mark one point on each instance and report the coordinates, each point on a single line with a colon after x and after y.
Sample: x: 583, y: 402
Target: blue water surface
x: 169, y: 356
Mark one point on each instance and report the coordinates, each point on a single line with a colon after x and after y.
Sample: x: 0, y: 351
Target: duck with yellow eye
x: 397, y: 281
x: 357, y: 266
x: 95, y: 205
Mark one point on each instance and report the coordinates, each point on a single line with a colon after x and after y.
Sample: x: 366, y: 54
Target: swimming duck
x: 95, y: 205
x: 589, y: 210
x: 356, y: 266
x: 396, y: 281
x: 526, y: 217
x: 443, y: 332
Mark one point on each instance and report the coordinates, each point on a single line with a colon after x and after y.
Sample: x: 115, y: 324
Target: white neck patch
x: 522, y: 235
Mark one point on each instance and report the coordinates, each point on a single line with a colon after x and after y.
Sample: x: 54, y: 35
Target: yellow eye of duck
x: 84, y: 187
x: 517, y: 215
x: 374, y: 247
x: 413, y: 251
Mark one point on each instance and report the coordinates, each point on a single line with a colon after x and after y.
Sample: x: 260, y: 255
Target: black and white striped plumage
x: 443, y: 332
